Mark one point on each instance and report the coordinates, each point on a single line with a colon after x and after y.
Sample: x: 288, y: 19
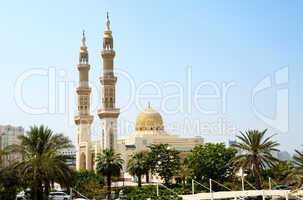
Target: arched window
x: 82, y: 161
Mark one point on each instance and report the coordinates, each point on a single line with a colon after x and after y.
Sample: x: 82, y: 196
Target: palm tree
x: 296, y: 175
x: 137, y: 166
x: 109, y: 164
x: 184, y: 171
x: 298, y: 160
x: 147, y: 164
x: 42, y: 164
x: 255, y: 153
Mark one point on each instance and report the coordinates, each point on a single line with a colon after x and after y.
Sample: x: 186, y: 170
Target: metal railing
x: 77, y: 192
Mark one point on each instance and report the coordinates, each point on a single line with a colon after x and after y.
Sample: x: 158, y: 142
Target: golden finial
x: 107, y: 22
x: 83, y: 39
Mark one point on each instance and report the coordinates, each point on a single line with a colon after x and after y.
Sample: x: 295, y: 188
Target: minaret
x: 108, y: 113
x: 83, y: 119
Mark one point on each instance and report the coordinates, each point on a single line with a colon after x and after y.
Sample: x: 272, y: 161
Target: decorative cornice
x: 84, y: 119
x: 108, y: 53
x: 83, y: 90
x: 108, y: 80
x: 109, y: 113
x: 83, y: 66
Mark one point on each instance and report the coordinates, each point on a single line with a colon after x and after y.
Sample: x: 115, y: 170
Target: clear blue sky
x: 223, y: 41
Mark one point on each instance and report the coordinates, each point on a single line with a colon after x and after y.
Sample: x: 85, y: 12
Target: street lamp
x: 242, y: 175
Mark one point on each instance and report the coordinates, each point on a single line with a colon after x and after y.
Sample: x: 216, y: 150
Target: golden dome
x: 149, y: 120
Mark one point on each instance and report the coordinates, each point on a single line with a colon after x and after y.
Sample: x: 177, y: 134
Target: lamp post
x: 242, y: 175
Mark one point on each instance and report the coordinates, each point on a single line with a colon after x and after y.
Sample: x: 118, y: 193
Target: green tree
x: 88, y: 183
x: 42, y: 164
x: 149, y: 192
x: 148, y: 162
x: 3, y: 152
x: 211, y: 161
x: 9, y: 183
x: 255, y: 153
x: 137, y: 166
x: 165, y: 161
x: 109, y: 164
x: 278, y: 172
x: 184, y: 171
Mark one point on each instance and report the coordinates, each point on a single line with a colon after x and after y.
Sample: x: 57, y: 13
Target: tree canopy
x: 138, y: 166
x: 109, y: 164
x: 211, y: 161
x: 164, y: 161
x: 255, y: 153
x: 42, y: 163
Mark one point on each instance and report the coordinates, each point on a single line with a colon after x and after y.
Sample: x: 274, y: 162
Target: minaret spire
x: 108, y: 43
x: 83, y: 41
x: 107, y: 22
x: 83, y: 57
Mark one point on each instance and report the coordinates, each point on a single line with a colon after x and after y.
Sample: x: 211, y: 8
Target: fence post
x: 286, y: 195
x: 192, y: 186
x: 210, y: 186
x: 242, y: 182
x: 210, y: 189
x: 157, y: 189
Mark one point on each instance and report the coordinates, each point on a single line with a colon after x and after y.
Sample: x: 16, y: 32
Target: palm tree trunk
x: 258, y: 179
x: 46, y: 185
x: 139, y: 181
x: 37, y: 190
x: 147, y: 177
x: 40, y: 191
x: 33, y: 192
x: 183, y: 182
x: 109, y: 183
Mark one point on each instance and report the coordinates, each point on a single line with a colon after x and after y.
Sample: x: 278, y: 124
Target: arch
x: 82, y: 161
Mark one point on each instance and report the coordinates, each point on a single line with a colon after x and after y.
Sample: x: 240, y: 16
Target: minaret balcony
x: 83, y: 66
x: 108, y: 112
x: 83, y: 90
x: 84, y: 119
x: 108, y: 79
x: 108, y: 53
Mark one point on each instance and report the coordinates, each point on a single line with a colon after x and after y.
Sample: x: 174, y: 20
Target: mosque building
x: 149, y: 128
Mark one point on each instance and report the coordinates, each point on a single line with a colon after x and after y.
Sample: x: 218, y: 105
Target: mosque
x: 149, y: 128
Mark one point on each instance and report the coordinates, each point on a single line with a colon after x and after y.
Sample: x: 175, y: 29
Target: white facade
x: 109, y: 133
x: 70, y: 152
